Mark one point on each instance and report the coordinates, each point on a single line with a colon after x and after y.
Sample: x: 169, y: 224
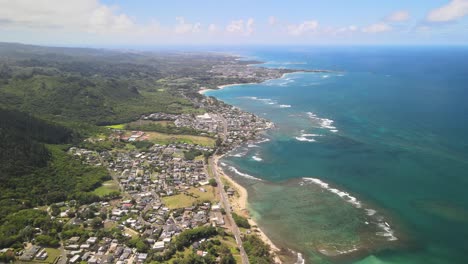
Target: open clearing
x: 164, y: 139
x: 191, y: 196
x: 107, y: 188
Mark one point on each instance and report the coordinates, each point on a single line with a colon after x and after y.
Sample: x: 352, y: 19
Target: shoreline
x: 203, y: 90
x: 240, y: 206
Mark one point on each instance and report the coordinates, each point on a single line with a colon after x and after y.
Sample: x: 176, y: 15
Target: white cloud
x: 236, y: 26
x: 454, y: 10
x: 84, y: 15
x: 249, y: 29
x: 212, y: 28
x: 272, y: 20
x: 398, y: 16
x: 348, y: 29
x: 377, y: 28
x: 183, y: 27
x: 241, y: 27
x: 304, y: 27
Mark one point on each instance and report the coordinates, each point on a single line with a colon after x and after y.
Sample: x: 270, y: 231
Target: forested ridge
x: 36, y: 170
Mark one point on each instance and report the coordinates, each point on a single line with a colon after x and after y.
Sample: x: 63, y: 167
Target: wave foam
x: 263, y: 140
x: 257, y: 158
x: 300, y: 259
x: 305, y: 139
x: 346, y: 196
x: 284, y: 106
x: 245, y: 175
x: 264, y: 100
x: 324, y: 123
x: 386, y: 230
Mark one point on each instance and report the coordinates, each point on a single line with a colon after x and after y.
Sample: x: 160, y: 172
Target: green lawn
x: 107, y: 188
x: 183, y: 200
x: 165, y: 139
x: 119, y: 126
x: 52, y: 255
x: 230, y: 242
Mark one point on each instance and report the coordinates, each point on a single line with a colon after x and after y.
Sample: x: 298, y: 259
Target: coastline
x: 203, y: 90
x: 239, y: 205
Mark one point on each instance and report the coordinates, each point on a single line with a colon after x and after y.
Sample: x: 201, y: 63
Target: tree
x: 47, y: 241
x: 97, y: 223
x: 54, y: 210
x: 213, y: 182
x: 228, y: 259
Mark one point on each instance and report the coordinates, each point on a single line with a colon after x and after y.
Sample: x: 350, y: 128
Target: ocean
x: 366, y: 164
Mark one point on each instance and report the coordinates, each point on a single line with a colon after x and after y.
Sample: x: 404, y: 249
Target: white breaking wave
x: 257, y: 158
x: 324, y: 123
x: 300, y: 259
x: 267, y: 101
x: 223, y: 164
x: 245, y: 175
x: 325, y: 76
x: 311, y: 135
x: 346, y: 196
x: 263, y: 140
x: 386, y: 230
x: 252, y: 146
x: 264, y: 100
x: 305, y: 139
x: 371, y: 212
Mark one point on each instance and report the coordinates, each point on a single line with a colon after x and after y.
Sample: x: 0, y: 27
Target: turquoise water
x: 389, y: 129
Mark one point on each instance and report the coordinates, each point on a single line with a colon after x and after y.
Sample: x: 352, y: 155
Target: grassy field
x: 53, y: 255
x: 146, y: 122
x: 183, y: 200
x: 230, y: 242
x: 119, y: 126
x: 164, y: 139
x: 107, y: 188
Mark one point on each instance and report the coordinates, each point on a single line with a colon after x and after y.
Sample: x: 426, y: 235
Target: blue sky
x: 146, y: 22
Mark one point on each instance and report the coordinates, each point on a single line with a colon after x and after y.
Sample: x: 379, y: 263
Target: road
x: 227, y: 207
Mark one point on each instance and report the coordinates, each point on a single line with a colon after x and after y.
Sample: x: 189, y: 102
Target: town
x: 157, y: 195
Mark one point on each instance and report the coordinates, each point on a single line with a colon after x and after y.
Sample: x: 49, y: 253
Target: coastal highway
x: 227, y: 208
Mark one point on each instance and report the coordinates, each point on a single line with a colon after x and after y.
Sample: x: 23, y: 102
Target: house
x: 75, y: 259
x: 142, y: 257
x: 230, y: 192
x: 92, y: 240
x: 42, y: 255
x: 158, y: 246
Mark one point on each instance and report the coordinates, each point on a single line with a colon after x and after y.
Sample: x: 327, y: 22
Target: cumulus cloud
x: 304, y: 27
x: 212, y: 28
x: 84, y: 15
x: 183, y: 27
x: 241, y: 27
x: 398, y: 16
x: 377, y: 28
x: 272, y: 20
x: 348, y: 29
x: 454, y: 10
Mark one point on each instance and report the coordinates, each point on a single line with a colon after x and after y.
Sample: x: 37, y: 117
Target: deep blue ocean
x: 367, y: 164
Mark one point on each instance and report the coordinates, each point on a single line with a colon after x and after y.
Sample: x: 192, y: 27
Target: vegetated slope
x: 95, y: 86
x: 35, y: 170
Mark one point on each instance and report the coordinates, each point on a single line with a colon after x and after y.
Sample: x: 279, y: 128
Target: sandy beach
x: 239, y: 206
x: 204, y: 90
